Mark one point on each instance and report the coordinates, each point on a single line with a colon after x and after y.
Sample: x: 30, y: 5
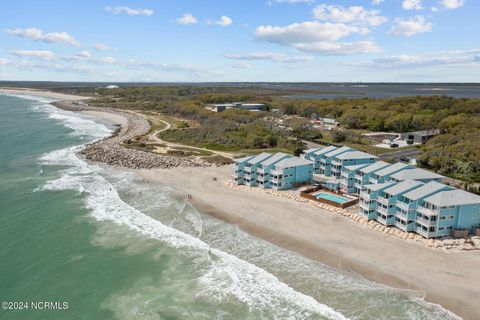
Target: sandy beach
x: 41, y: 93
x: 447, y: 278
x: 451, y: 279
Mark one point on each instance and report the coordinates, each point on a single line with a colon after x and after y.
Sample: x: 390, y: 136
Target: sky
x: 240, y: 40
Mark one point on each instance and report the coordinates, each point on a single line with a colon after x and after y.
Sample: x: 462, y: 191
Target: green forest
x: 455, y: 152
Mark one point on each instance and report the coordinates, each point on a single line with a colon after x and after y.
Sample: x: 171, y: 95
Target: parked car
x: 394, y: 145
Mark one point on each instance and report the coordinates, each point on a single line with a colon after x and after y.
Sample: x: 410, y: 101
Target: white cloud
x: 354, y: 15
x: 101, y: 47
x: 272, y: 56
x: 410, y: 27
x: 41, y: 54
x: 445, y: 58
x: 187, y: 18
x: 38, y: 35
x: 340, y: 48
x: 4, y: 61
x: 310, y: 31
x: 87, y: 57
x: 106, y: 60
x: 377, y: 2
x: 412, y: 4
x: 292, y: 1
x: 84, y: 54
x: 130, y: 11
x: 193, y: 71
x: 224, y: 21
x: 452, y: 4
x: 317, y: 37
x: 241, y: 65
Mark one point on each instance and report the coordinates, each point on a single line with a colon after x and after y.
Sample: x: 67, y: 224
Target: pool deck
x: 310, y: 194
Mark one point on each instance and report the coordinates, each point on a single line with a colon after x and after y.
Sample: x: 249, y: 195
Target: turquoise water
x: 116, y: 247
x: 330, y: 197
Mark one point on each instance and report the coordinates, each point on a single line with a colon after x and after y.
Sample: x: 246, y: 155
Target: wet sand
x: 451, y: 279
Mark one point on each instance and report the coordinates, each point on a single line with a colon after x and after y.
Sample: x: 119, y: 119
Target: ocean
x: 112, y: 246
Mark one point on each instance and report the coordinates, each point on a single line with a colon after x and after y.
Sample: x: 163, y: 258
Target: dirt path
x: 153, y: 137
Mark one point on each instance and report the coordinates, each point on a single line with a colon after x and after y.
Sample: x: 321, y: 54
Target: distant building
x: 220, y: 107
x: 112, y: 86
x: 276, y: 171
x: 419, y: 137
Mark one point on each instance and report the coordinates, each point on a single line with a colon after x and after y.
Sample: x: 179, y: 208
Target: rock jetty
x: 110, y: 151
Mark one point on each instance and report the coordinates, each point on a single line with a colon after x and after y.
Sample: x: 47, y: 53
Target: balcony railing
x: 425, y: 222
x: 383, y: 200
x: 382, y: 220
x: 366, y: 206
x: 364, y: 194
x: 247, y: 169
x: 401, y: 215
x: 426, y: 211
x: 276, y: 173
x: 382, y: 210
x: 425, y: 233
x: 403, y: 205
x: 401, y: 225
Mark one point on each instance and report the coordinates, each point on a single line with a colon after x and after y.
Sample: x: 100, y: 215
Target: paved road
x: 397, y: 155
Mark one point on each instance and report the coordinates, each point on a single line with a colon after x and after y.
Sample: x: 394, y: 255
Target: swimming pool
x: 330, y: 197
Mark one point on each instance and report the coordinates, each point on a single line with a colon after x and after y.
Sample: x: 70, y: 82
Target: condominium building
x: 265, y: 168
x: 291, y: 172
x: 347, y: 178
x: 316, y: 155
x: 416, y: 174
x: 408, y: 203
x: 250, y: 168
x: 368, y: 199
x: 239, y: 174
x: 431, y: 209
x: 277, y: 171
x: 384, y: 174
x: 327, y: 158
x: 349, y: 158
x: 387, y: 200
x: 362, y: 175
x: 444, y: 211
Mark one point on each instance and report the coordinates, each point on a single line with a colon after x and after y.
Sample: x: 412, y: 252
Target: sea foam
x: 227, y: 276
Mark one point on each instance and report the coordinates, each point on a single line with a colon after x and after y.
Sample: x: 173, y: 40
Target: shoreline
x: 42, y: 93
x: 447, y: 278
